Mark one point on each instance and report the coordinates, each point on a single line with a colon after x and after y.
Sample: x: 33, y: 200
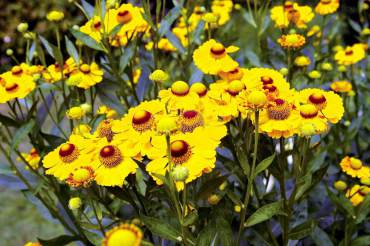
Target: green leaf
x: 363, y: 209
x: 87, y: 40
x: 317, y: 162
x: 52, y: 50
x: 190, y: 219
x: 342, y: 202
x: 264, y: 164
x: 167, y: 21
x: 5, y: 120
x: 243, y: 160
x: 320, y: 237
x: 265, y: 212
x: 303, y: 184
x: 249, y: 18
x: 209, y: 186
x: 140, y: 182
x: 302, y: 230
x: 60, y: 240
x: 115, y: 30
x: 161, y: 228
x: 253, y: 58
x: 72, y: 51
x: 361, y: 241
x: 21, y: 134
x: 224, y: 229
x: 208, y: 235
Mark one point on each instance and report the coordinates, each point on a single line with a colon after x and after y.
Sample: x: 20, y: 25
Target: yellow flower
x: 32, y: 244
x: 350, y: 55
x: 212, y: 57
x: 55, y: 16
x: 17, y: 83
x: 222, y: 9
x: 53, y: 73
x: 86, y: 76
x: 354, y: 167
x: 257, y: 99
x: 94, y: 28
x: 315, y: 30
x: 74, y: 203
x: 75, y: 113
x: 109, y: 112
x: 68, y: 156
x: 310, y: 115
x: 214, y: 199
x: 235, y: 74
x: 302, y: 61
x: 280, y: 119
x: 357, y: 194
x: 210, y: 18
x: 342, y: 86
x: 327, y: 102
x: 138, y: 127
x: 292, y: 41
x: 340, y: 185
x: 131, y: 18
x: 314, y: 74
x: 81, y: 176
x: 179, y: 96
x: 158, y: 76
x: 124, y: 234
x: 325, y: 7
x: 237, y: 208
x: 186, y: 150
x: 113, y: 162
x: 365, y: 31
x: 167, y: 124
x: 199, y: 88
x: 326, y: 66
x: 291, y: 13
x: 32, y: 158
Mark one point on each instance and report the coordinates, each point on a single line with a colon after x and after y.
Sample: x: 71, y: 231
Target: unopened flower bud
x: 257, y: 98
x: 214, y: 199
x: 365, y: 180
x: 180, y: 173
x: 314, y: 74
x: 340, y: 185
x: 158, y: 76
x: 86, y: 107
x: 284, y: 71
x: 9, y: 52
x: 166, y: 124
x: 22, y: 27
x: 326, y: 66
x: 74, y: 203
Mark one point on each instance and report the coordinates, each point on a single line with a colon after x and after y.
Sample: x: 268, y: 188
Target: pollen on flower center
x: 349, y: 52
x: 82, y: 176
x: 356, y: 164
x: 318, y: 99
x: 270, y: 88
x: 218, y: 50
x: 279, y: 111
x: 85, y: 68
x: 110, y: 156
x: 189, y: 120
x: 308, y: 111
x: 180, y: 88
x: 124, y: 17
x: 97, y: 25
x: 142, y: 120
x: 180, y: 151
x: 11, y: 87
x: 266, y: 80
x: 16, y: 70
x: 68, y: 152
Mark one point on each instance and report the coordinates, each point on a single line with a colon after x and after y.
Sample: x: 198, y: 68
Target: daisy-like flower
x: 311, y: 115
x: 138, y: 127
x: 179, y: 96
x: 124, y: 234
x: 327, y: 102
x: 94, y: 28
x: 212, y: 57
x: 104, y: 130
x: 131, y: 19
x: 200, y: 89
x: 325, y: 7
x: 357, y: 194
x: 342, y: 86
x: 291, y: 13
x: 112, y: 163
x: 33, y: 158
x: 280, y: 119
x: 314, y: 31
x: 81, y: 176
x: 222, y: 9
x: 302, y: 61
x: 234, y: 74
x: 350, y: 55
x: 188, y: 150
x: 53, y: 73
x: 354, y: 167
x: 86, y: 76
x: 67, y: 156
x: 108, y: 112
x: 292, y: 41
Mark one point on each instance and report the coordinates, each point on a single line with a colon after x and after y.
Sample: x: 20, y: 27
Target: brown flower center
x: 266, y: 80
x: 308, y: 111
x: 279, y: 111
x: 17, y: 70
x: 110, y: 156
x: 11, y: 87
x: 218, y: 50
x: 318, y: 99
x: 105, y: 130
x: 180, y: 151
x: 142, y: 120
x: 288, y: 5
x: 270, y: 88
x: 124, y: 17
x: 85, y: 68
x: 97, y: 25
x: 68, y: 152
x: 349, y: 52
x: 189, y: 120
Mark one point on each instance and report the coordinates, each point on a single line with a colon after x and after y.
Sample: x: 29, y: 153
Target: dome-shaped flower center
x: 124, y: 17
x: 105, y: 130
x: 85, y: 68
x: 291, y: 39
x: 33, y: 152
x: 123, y: 237
x: 235, y: 87
x: 318, y: 99
x: 17, y: 70
x: 355, y: 163
x: 266, y: 80
x: 325, y: 1
x: 189, y: 120
x: 279, y: 111
x: 308, y: 111
x: 110, y: 156
x: 270, y: 88
x: 68, y: 152
x: 364, y: 190
x: 235, y: 74
x: 82, y: 176
x: 142, y: 120
x: 97, y: 25
x: 180, y: 151
x: 11, y: 87
x: 293, y: 15
x: 180, y: 88
x: 348, y: 52
x: 199, y: 88
x: 288, y: 5
x: 218, y: 50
